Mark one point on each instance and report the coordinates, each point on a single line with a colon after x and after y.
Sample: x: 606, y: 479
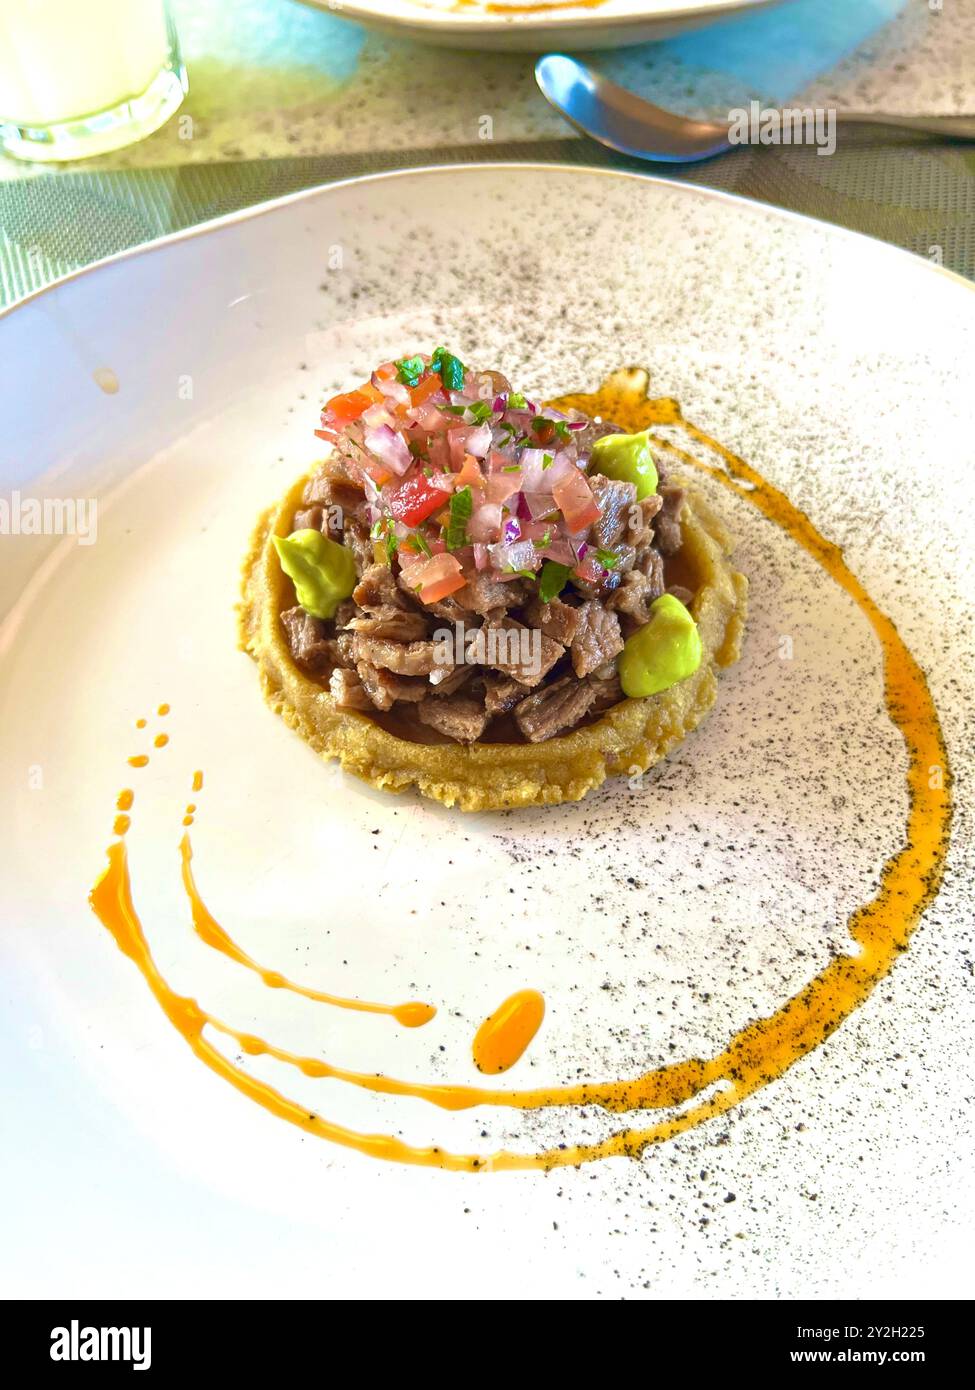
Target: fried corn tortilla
x: 629, y: 737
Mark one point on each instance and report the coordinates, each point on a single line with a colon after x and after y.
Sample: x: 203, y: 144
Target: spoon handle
x: 948, y: 127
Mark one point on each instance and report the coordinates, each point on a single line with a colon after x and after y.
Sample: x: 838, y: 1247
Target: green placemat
x: 919, y: 195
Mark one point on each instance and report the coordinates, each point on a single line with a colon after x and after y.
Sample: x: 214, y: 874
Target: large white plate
x: 656, y: 920
x: 532, y: 27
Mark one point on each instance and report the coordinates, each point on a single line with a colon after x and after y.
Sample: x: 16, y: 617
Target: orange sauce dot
x: 187, y: 820
x: 121, y: 825
x: 161, y: 740
x: 140, y: 760
x: 197, y: 781
x: 140, y: 723
x: 191, y: 808
x: 125, y: 800
x: 503, y: 1037
x: 163, y: 710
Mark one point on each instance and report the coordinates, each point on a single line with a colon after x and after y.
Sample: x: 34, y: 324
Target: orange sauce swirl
x: 761, y: 1051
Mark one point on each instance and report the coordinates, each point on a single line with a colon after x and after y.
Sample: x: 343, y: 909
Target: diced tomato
x: 470, y: 474
x: 428, y: 387
x: 342, y: 410
x: 573, y: 496
x: 414, y: 499
x: 437, y: 578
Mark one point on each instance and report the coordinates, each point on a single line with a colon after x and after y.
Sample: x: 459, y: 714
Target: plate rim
x: 551, y: 22
x: 271, y: 205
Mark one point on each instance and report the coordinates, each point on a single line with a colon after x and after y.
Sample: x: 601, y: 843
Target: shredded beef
x: 606, y: 688
x: 597, y: 640
x: 377, y: 589
x: 307, y: 641
x: 501, y: 693
x: 638, y: 529
x: 556, y: 619
x: 402, y: 658
x: 484, y: 594
x: 556, y: 707
x: 396, y: 624
x: 461, y: 717
x: 347, y: 690
x: 385, y: 689
x: 614, y: 498
x: 634, y: 596
x: 667, y: 530
x: 519, y: 651
x: 308, y: 519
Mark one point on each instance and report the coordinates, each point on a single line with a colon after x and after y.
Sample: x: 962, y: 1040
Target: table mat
x: 918, y: 194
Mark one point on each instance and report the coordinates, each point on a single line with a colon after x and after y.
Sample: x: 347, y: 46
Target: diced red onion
x: 389, y: 447
x: 539, y: 504
x: 500, y: 403
x: 389, y: 386
x: 559, y: 551
x: 501, y: 486
x: 485, y: 523
x: 510, y: 531
x: 481, y: 557
x: 521, y: 555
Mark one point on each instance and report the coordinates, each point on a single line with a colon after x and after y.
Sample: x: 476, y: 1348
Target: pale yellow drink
x: 81, y: 76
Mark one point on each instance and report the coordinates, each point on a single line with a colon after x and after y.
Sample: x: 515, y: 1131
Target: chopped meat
x: 685, y: 596
x: 557, y: 619
x: 606, y: 688
x: 356, y: 538
x: 384, y: 688
x: 307, y: 519
x: 483, y: 594
x: 402, y: 658
x: 347, y: 690
x: 638, y: 530
x: 597, y: 640
x: 451, y: 680
x: 335, y: 489
x: 554, y: 709
x: 377, y: 589
x: 396, y: 624
x: 460, y: 717
x: 634, y: 596
x: 501, y: 693
x: 667, y: 530
x: 614, y: 498
x: 522, y: 652
x: 307, y: 640
x: 344, y: 614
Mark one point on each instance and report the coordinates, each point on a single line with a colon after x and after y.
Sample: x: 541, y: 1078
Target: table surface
x: 283, y: 96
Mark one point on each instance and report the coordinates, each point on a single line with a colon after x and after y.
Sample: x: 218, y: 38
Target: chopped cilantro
x: 461, y: 507
x: 548, y: 460
x: 516, y: 401
x: 608, y: 559
x: 561, y: 429
x: 451, y: 369
x: 479, y: 412
x: 553, y: 580
x: 420, y: 541
x: 409, y: 370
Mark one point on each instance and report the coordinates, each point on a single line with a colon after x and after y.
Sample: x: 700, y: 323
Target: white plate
x: 603, y: 24
x: 838, y: 366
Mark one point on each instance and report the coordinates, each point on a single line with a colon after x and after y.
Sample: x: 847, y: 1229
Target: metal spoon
x: 633, y: 126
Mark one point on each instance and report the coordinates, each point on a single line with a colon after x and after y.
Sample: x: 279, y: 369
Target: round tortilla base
x: 628, y: 738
